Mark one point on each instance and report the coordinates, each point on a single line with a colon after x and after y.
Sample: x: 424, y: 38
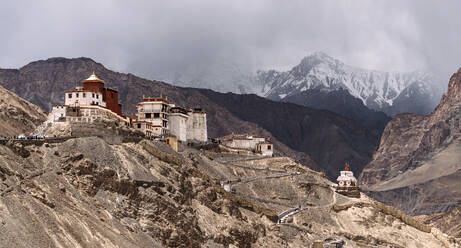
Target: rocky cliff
x: 328, y: 137
x: 416, y: 167
x: 17, y: 115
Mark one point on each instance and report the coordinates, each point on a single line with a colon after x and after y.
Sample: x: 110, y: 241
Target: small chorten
x: 347, y: 183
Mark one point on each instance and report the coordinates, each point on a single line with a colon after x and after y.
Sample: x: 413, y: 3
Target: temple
x: 347, y: 183
x: 93, y: 92
x: 92, y: 102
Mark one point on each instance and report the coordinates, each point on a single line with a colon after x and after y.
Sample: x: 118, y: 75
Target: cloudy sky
x: 157, y: 38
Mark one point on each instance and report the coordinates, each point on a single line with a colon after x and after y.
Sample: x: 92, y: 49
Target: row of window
x: 156, y: 115
x: 84, y: 95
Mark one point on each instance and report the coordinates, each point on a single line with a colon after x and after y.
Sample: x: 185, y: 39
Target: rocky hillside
x: 448, y: 222
x: 17, y: 115
x: 383, y: 91
x: 85, y: 192
x: 328, y: 137
x: 416, y: 167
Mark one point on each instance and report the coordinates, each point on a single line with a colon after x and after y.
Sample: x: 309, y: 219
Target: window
x: 156, y: 115
x: 164, y: 123
x: 97, y: 96
x: 70, y: 95
x: 76, y: 95
x: 93, y: 95
x: 97, y: 103
x: 139, y: 125
x: 148, y: 115
x: 269, y: 147
x: 84, y: 94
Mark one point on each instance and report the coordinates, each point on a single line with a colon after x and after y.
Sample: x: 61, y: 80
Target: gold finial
x: 161, y: 95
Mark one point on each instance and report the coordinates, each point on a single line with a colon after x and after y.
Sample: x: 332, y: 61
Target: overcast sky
x: 154, y: 38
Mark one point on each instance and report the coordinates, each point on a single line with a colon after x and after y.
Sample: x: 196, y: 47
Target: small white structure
x: 59, y: 113
x: 253, y: 143
x: 346, y: 178
x: 144, y: 126
x: 266, y: 149
x: 347, y: 183
x: 177, y: 119
x: 196, y: 126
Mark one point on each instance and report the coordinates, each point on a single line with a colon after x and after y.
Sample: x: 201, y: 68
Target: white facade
x: 178, y: 125
x: 145, y: 127
x: 248, y: 142
x: 59, y: 113
x: 88, y: 114
x: 346, y: 179
x: 155, y: 111
x: 266, y: 149
x: 196, y: 126
x: 78, y: 97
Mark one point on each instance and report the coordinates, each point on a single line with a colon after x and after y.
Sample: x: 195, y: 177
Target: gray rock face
x: 416, y: 166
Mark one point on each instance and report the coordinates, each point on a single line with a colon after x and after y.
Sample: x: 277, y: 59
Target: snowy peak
x: 377, y: 89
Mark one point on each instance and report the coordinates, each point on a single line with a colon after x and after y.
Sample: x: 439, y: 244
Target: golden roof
x: 93, y: 78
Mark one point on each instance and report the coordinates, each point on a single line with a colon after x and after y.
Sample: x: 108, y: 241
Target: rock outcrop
x: 17, y: 115
x: 416, y: 167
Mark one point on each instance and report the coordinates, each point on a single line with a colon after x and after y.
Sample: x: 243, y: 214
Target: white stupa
x: 347, y: 183
x: 346, y: 178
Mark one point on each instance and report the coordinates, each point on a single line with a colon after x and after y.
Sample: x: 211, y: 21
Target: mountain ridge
x: 43, y: 82
x: 376, y: 89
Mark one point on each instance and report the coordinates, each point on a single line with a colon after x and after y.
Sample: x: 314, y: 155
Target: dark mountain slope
x: 329, y: 139
x: 342, y: 102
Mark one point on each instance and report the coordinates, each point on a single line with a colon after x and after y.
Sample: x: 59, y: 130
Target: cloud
x: 156, y: 39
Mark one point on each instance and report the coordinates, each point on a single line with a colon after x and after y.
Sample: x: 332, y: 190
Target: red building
x: 95, y: 85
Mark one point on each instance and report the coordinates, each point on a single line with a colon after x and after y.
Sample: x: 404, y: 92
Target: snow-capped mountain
x: 377, y: 89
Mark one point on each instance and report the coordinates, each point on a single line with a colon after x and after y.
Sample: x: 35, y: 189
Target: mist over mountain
x: 390, y: 92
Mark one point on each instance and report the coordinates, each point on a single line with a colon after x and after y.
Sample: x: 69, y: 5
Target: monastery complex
x: 156, y: 117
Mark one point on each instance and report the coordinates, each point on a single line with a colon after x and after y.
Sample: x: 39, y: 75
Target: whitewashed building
x: 177, y: 119
x: 196, y: 126
x: 253, y: 143
x: 82, y: 97
x: 155, y: 111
